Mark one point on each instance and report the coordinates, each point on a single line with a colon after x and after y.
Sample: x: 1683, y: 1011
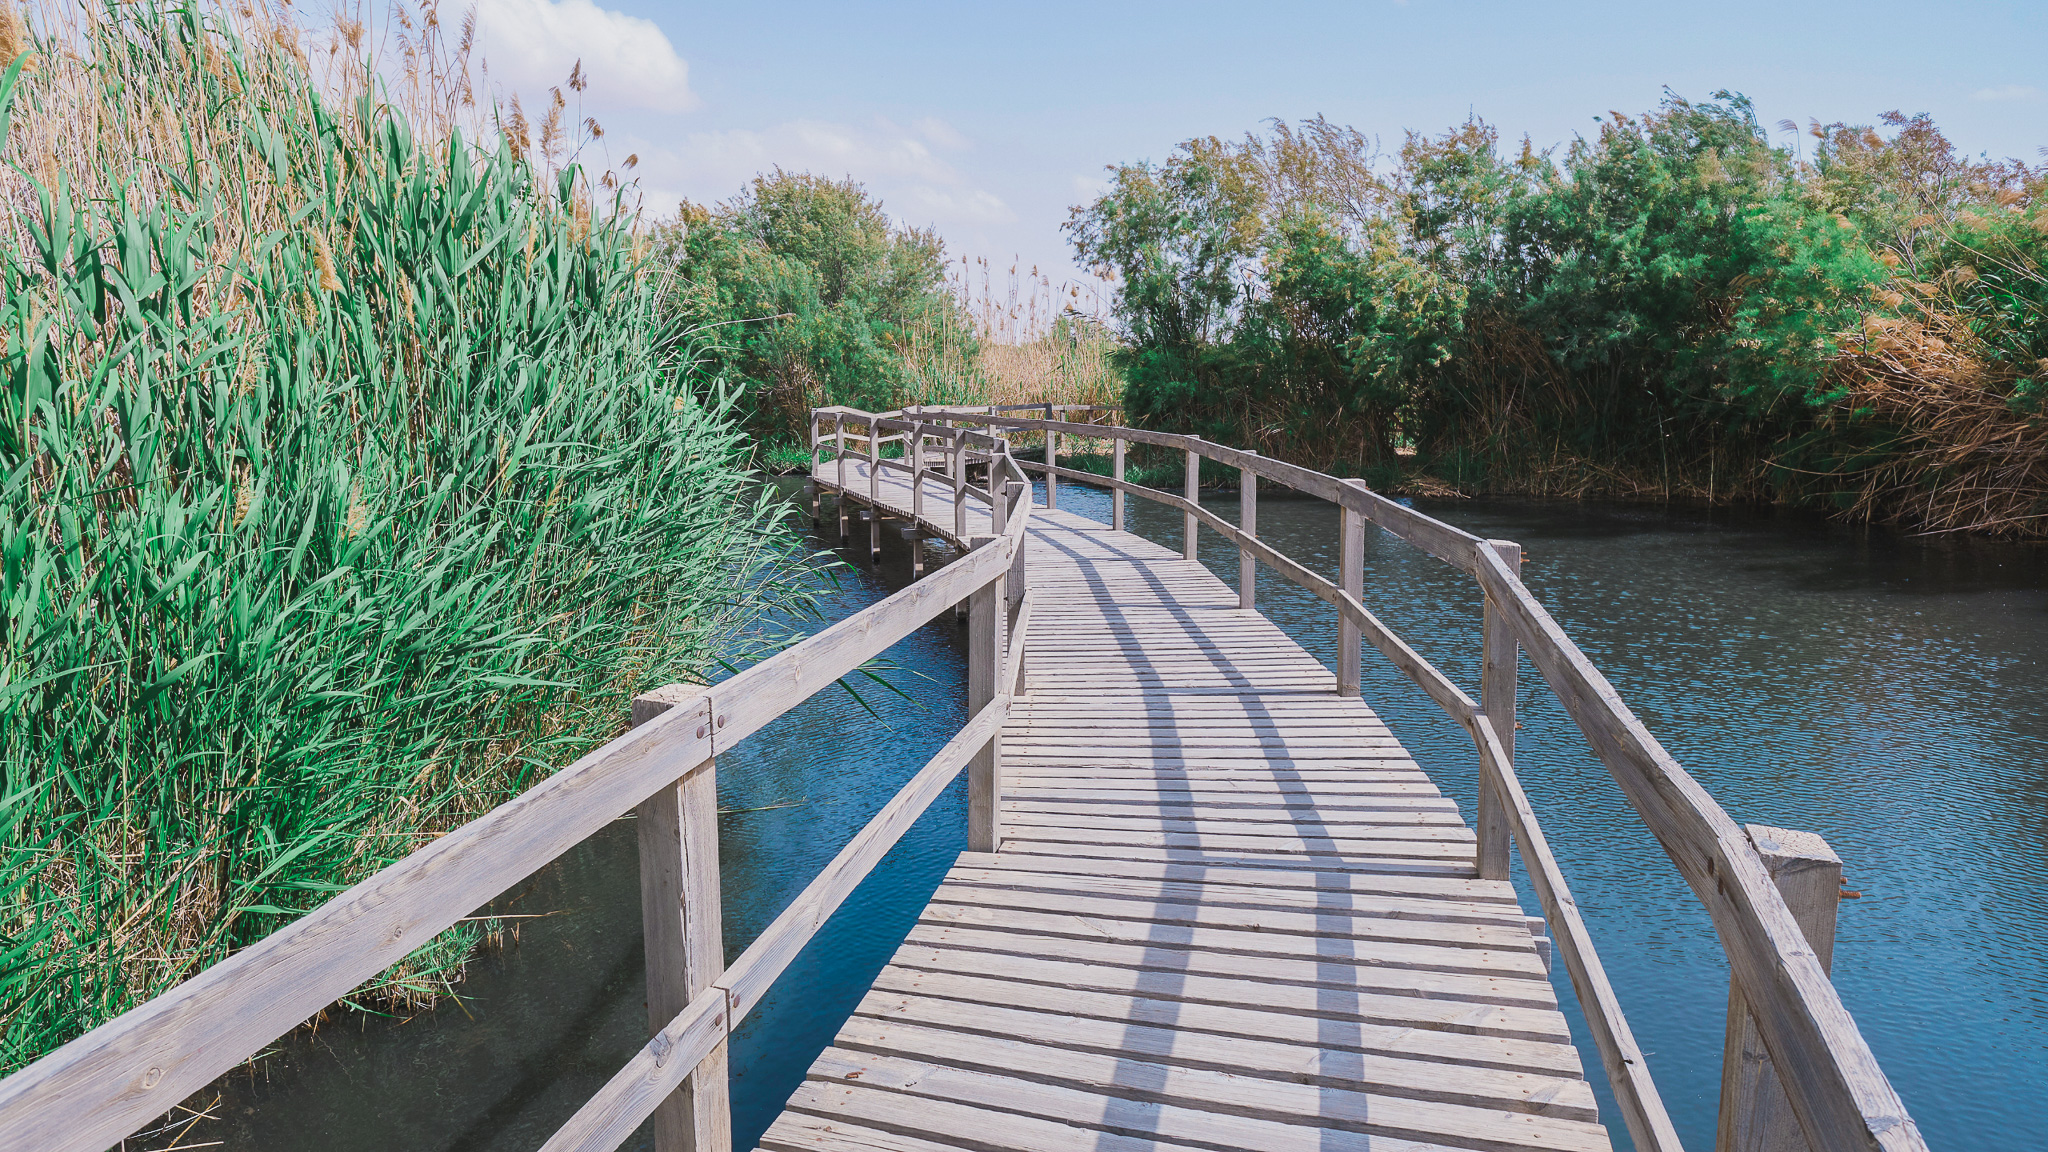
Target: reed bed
x: 1020, y: 340
x: 347, y: 485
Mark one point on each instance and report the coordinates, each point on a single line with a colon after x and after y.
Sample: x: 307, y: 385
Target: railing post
x: 874, y: 493
x: 917, y: 504
x: 1497, y: 674
x: 679, y: 909
x: 1052, y: 482
x: 1247, y: 523
x: 959, y: 486
x: 1194, y: 495
x: 1017, y: 584
x: 1350, y: 578
x: 839, y: 454
x: 1116, y: 495
x: 1755, y: 1115
x: 984, y: 675
x: 811, y: 475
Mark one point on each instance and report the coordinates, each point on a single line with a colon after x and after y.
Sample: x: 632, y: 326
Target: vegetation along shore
x: 1672, y: 307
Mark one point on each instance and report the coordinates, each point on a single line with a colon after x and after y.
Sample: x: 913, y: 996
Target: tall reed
x: 345, y: 489
x: 1020, y: 340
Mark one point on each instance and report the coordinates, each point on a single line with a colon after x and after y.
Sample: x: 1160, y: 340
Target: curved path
x: 1229, y: 910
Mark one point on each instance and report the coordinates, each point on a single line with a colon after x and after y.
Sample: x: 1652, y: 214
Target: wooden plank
x: 962, y: 903
x: 1306, y: 878
x: 1514, y: 1010
x: 959, y: 1034
x: 1036, y: 929
x: 1183, y: 1103
x: 896, y: 989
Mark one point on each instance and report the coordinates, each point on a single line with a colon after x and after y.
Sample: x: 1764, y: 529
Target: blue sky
x: 989, y: 121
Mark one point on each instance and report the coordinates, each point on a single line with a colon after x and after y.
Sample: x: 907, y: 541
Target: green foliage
x: 337, y: 502
x: 1672, y: 301
x: 807, y: 294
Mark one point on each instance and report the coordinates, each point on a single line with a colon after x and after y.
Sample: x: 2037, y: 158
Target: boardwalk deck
x: 1229, y: 911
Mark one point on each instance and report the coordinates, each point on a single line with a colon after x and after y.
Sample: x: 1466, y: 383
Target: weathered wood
x: 984, y: 679
x: 1052, y: 481
x: 1116, y: 495
x: 1628, y: 1072
x: 1441, y: 540
x: 1248, y: 527
x: 1755, y: 1114
x: 652, y: 1076
x: 1833, y: 1081
x: 1351, y: 581
x: 839, y: 461
x: 1020, y: 630
x: 1194, y: 499
x: 750, y: 976
x: 1498, y: 658
x: 681, y: 922
x: 874, y: 497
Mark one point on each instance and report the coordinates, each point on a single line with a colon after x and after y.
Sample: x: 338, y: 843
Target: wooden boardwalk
x: 1229, y: 910
x: 1211, y: 903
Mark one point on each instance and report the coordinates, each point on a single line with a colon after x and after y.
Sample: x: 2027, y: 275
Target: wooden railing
x: 1796, y: 1068
x: 1796, y: 1073
x: 95, y: 1091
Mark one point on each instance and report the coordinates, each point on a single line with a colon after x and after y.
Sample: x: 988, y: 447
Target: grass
x: 346, y: 487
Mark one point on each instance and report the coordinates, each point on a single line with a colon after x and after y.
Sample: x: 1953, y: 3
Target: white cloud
x: 902, y: 167
x: 2007, y: 92
x: 941, y: 133
x: 530, y: 46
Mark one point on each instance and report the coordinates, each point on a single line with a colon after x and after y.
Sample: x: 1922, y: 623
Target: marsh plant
x: 347, y: 486
x: 1679, y: 305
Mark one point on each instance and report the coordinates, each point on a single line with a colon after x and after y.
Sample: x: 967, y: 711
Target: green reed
x: 346, y: 487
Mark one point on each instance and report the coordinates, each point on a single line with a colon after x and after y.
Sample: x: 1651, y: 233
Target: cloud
x: 902, y: 167
x: 2007, y: 92
x: 530, y: 46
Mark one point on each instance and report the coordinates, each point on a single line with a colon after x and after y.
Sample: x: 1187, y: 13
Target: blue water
x: 1887, y: 693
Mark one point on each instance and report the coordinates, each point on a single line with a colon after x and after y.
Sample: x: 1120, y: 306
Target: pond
x: 1888, y: 693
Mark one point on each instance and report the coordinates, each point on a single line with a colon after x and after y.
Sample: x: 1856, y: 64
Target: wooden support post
x: 1016, y: 584
x: 1755, y: 1115
x: 874, y: 495
x: 959, y: 490
x: 811, y: 475
x: 1248, y: 522
x: 917, y: 503
x: 1116, y: 495
x: 679, y: 909
x: 1497, y: 686
x: 1052, y: 482
x: 984, y: 674
x: 1350, y: 578
x: 1194, y: 494
x: 839, y: 454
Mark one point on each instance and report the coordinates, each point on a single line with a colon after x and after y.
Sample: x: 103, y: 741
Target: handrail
x: 98, y: 1089
x: 1838, y: 1093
